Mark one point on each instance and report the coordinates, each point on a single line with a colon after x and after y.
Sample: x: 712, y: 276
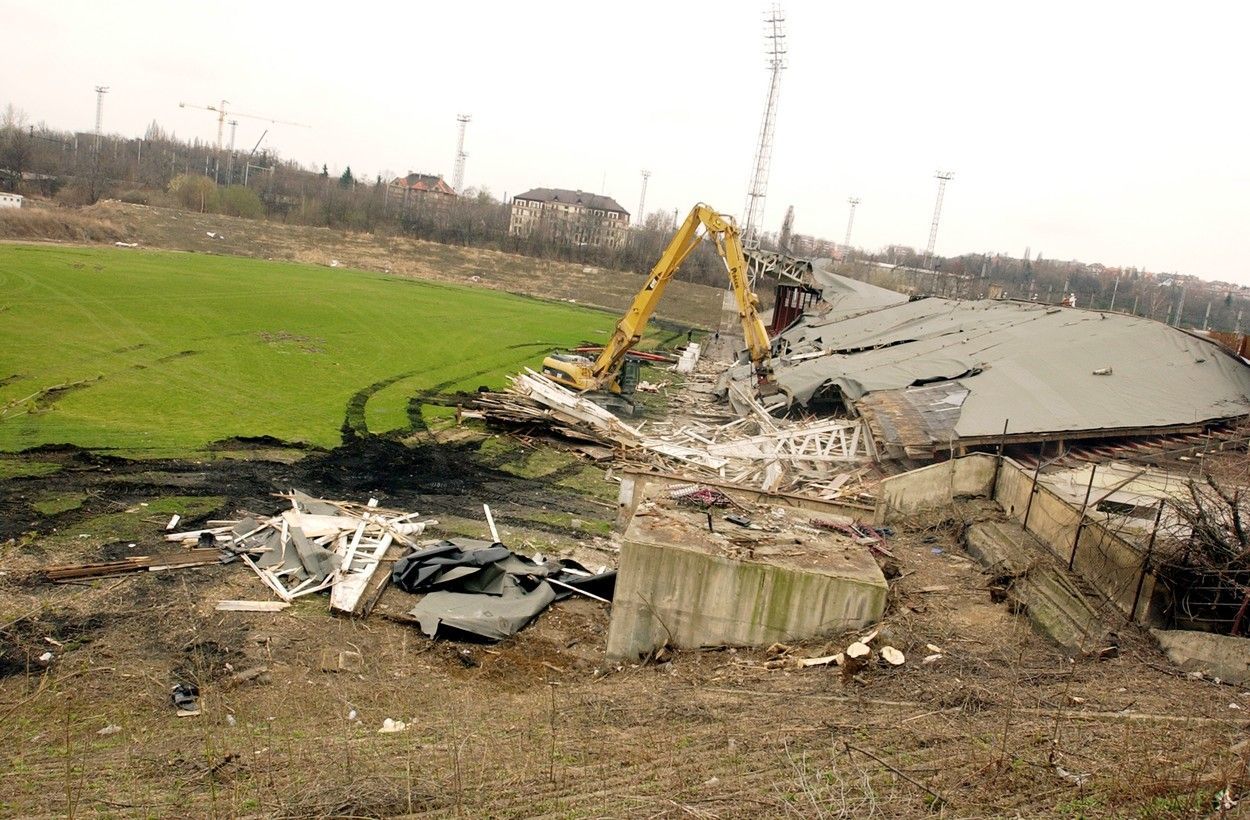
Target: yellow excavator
x: 602, y: 380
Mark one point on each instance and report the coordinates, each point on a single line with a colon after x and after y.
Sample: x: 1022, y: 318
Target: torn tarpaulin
x: 486, y: 589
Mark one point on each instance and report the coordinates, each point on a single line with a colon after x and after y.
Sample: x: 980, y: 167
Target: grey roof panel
x: 1033, y: 364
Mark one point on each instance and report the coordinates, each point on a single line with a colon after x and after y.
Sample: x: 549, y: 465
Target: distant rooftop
x: 593, y: 201
x: 424, y: 182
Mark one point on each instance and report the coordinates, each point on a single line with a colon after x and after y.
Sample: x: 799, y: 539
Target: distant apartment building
x: 569, y: 218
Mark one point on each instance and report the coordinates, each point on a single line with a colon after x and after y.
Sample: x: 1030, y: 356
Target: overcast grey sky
x: 1104, y: 131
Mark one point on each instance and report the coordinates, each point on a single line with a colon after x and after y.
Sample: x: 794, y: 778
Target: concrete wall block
x: 691, y: 599
x: 934, y: 486
x: 1220, y: 656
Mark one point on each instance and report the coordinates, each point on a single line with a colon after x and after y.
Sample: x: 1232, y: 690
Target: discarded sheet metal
x: 484, y: 589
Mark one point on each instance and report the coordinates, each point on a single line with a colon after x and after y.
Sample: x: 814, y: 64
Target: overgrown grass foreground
x: 153, y: 353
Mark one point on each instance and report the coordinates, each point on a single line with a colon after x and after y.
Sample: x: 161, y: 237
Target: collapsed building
x: 938, y: 377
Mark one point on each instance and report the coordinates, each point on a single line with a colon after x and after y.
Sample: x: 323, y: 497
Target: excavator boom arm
x: 702, y: 221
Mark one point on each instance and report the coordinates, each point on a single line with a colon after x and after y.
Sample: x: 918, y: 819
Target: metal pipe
x: 1145, y: 564
x: 1041, y: 452
x: 998, y: 462
x: 1093, y: 468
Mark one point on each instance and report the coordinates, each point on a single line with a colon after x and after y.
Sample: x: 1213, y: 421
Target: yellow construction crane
x: 600, y: 378
x: 222, y: 114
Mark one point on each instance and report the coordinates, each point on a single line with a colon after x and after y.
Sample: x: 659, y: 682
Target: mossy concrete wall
x: 1108, y: 562
x: 1037, y: 584
x: 688, y: 598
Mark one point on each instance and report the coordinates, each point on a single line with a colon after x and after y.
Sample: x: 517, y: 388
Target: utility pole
x: 100, y: 91
x: 458, y: 176
x: 774, y: 24
x: 642, y: 199
x: 1180, y: 309
x: 1206, y: 320
x: 850, y: 221
x: 942, y: 177
x: 221, y: 122
x: 1114, y: 288
x: 234, y: 127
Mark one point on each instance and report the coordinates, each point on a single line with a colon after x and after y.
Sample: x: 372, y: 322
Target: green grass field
x: 164, y: 353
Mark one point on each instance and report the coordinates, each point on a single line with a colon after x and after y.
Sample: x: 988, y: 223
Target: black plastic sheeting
x: 483, y: 589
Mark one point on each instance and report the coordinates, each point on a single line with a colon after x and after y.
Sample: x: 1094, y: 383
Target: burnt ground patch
x: 434, y: 478
x: 23, y: 641
x: 431, y: 477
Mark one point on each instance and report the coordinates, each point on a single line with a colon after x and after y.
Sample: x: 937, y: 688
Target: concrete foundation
x: 1219, y: 656
x: 1037, y: 585
x: 680, y: 584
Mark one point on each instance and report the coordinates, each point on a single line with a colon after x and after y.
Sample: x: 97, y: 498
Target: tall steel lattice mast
x: 774, y: 34
x: 642, y: 200
x: 942, y: 177
x: 457, y: 179
x: 850, y: 221
x: 100, y: 91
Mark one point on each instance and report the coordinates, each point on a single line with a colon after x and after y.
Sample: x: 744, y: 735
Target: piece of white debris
x: 351, y: 715
x: 389, y: 725
x: 111, y: 729
x: 230, y: 720
x: 893, y: 656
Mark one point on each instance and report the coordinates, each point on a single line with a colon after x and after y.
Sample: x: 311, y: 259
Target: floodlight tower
x: 100, y: 91
x: 774, y: 35
x: 458, y: 176
x: 642, y: 199
x: 942, y: 177
x: 850, y: 221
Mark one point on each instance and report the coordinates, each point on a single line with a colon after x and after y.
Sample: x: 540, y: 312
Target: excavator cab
x: 572, y: 370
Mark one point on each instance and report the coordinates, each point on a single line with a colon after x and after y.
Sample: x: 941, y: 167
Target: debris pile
x: 315, y: 545
x: 820, y: 457
x: 535, y: 400
x: 466, y: 587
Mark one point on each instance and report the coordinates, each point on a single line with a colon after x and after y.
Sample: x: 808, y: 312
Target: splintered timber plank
x: 379, y: 581
x: 137, y: 563
x: 251, y: 606
x: 268, y: 579
x: 346, y: 594
x: 360, y: 531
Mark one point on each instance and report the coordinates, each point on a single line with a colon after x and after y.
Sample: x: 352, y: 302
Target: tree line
x: 77, y: 168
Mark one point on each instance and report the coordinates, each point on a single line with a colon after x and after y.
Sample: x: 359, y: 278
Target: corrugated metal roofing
x: 850, y: 297
x: 1032, y: 364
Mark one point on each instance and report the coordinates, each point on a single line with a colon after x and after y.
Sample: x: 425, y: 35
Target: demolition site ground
x: 1000, y: 723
